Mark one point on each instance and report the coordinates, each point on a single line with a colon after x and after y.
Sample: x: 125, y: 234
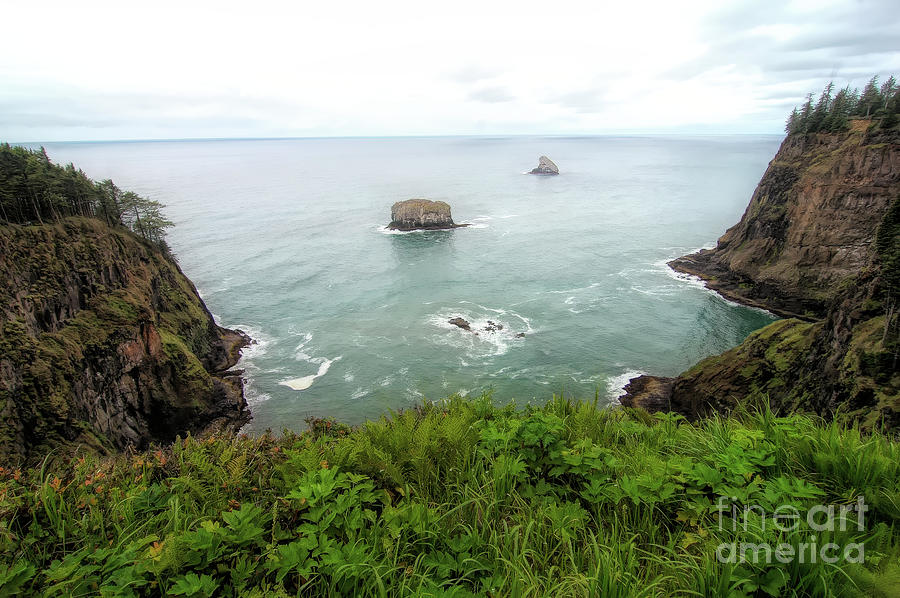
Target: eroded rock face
x: 106, y: 343
x: 809, y: 224
x: 419, y: 214
x: 652, y: 393
x: 806, y: 247
x: 545, y: 166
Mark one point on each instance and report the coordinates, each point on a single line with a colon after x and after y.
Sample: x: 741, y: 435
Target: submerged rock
x: 545, y: 166
x: 493, y: 327
x: 457, y: 321
x: 419, y: 214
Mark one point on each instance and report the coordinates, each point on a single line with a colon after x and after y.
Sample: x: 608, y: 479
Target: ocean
x: 286, y: 240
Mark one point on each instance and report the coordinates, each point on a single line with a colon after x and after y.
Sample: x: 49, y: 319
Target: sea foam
x: 306, y: 381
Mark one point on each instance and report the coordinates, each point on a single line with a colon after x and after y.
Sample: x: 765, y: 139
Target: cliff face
x: 103, y: 341
x: 816, y: 242
x: 810, y: 223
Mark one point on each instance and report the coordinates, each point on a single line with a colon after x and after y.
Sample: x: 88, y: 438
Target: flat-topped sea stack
x: 421, y: 214
x: 545, y: 166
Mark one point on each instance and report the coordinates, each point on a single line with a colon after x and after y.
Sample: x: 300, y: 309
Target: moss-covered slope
x: 104, y: 341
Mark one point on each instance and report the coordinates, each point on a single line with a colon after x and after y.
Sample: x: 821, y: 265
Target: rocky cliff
x: 104, y: 342
x: 817, y: 245
x: 810, y: 223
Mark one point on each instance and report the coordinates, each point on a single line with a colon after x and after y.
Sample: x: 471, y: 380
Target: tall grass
x: 459, y: 498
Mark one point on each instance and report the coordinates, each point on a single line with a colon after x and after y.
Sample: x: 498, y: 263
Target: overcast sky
x: 90, y: 70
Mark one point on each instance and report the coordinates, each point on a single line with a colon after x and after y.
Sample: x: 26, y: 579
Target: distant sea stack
x: 545, y: 166
x: 421, y: 214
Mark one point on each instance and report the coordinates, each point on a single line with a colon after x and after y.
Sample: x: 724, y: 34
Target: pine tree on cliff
x: 820, y: 112
x: 33, y: 189
x: 841, y: 108
x: 870, y: 99
x: 805, y: 114
x: 887, y: 91
x: 793, y: 122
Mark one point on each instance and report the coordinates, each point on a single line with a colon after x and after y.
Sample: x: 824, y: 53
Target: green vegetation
x: 34, y: 190
x: 833, y: 111
x: 463, y: 498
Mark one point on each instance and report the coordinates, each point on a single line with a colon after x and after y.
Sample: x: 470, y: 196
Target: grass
x: 460, y: 498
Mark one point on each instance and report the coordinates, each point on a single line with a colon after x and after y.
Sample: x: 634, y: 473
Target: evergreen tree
x: 870, y: 99
x: 34, y: 190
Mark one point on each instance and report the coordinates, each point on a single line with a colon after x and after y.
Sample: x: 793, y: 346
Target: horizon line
x: 317, y: 137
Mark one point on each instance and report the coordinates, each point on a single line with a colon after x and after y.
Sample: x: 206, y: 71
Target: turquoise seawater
x: 285, y: 239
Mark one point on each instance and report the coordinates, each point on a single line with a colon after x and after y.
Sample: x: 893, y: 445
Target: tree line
x: 832, y: 112
x: 34, y: 190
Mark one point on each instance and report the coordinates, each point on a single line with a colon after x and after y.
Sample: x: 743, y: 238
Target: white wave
x: 699, y: 283
x: 299, y: 353
x: 504, y: 312
x: 484, y: 344
x: 576, y: 289
x: 660, y: 291
x: 384, y: 230
x: 253, y: 396
x: 348, y: 377
x: 359, y: 393
x: 615, y: 385
x: 305, y: 382
x: 257, y: 348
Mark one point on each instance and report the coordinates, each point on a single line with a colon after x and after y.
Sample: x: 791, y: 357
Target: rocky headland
x: 421, y: 214
x: 819, y: 244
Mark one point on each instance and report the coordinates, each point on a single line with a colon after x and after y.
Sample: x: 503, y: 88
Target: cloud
x: 491, y: 95
x: 404, y: 67
x: 473, y: 73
